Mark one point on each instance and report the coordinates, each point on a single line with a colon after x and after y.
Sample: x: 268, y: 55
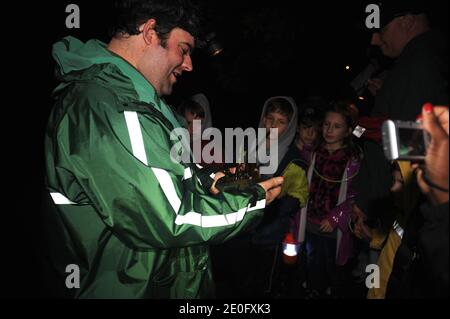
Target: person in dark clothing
x: 419, y: 75
x: 421, y: 266
x: 419, y: 69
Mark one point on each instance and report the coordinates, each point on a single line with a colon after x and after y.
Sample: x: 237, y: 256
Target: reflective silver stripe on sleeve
x: 137, y: 142
x: 187, y: 174
x: 60, y: 199
x: 168, y: 187
x: 197, y: 219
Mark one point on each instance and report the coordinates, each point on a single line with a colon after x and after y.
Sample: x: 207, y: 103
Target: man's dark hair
x: 129, y: 15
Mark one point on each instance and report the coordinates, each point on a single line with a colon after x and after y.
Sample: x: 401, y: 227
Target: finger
x: 214, y: 189
x: 441, y: 113
x: 423, y: 186
x: 366, y: 232
x: 431, y: 123
x: 218, y: 176
x: 272, y: 183
x: 322, y: 227
x: 272, y: 194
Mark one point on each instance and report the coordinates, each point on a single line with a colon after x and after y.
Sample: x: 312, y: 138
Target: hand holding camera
x: 433, y: 179
x: 424, y: 142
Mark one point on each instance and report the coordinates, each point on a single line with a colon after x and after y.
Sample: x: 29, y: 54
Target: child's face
x: 335, y: 129
x: 190, y: 118
x: 307, y: 134
x: 276, y: 120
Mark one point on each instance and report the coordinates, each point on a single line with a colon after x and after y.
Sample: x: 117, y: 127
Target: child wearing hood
x: 197, y: 108
x: 279, y: 113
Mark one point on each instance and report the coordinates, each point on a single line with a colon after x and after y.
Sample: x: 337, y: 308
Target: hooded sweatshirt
x: 202, y: 100
x: 286, y: 139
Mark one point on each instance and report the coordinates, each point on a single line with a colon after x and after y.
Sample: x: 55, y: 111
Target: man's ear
x: 148, y: 31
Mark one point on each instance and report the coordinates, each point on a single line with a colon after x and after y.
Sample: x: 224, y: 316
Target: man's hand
x: 213, y: 189
x: 435, y: 122
x: 272, y: 188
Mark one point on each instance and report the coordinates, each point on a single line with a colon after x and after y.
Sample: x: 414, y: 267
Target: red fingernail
x: 428, y: 108
x: 419, y: 118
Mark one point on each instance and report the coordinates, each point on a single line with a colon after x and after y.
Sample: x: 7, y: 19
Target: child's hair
x: 192, y: 107
x: 346, y: 110
x: 310, y: 117
x: 280, y: 105
x: 350, y: 115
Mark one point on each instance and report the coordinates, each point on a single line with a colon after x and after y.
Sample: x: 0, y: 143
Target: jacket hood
x: 202, y: 100
x: 285, y: 140
x: 77, y: 61
x: 289, y: 134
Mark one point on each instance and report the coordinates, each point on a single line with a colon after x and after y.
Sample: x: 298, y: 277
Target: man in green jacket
x: 121, y: 219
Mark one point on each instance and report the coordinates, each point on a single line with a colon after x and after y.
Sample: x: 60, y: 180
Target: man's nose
x: 187, y: 64
x: 376, y: 39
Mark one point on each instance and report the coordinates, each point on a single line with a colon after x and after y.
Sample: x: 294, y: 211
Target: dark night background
x: 294, y: 48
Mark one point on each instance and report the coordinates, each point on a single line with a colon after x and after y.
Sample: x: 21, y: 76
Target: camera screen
x: 411, y: 142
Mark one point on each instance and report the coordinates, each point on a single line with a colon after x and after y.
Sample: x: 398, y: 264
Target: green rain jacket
x: 137, y: 224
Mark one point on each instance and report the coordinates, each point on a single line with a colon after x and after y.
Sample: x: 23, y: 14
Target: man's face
x: 162, y: 66
x: 391, y: 39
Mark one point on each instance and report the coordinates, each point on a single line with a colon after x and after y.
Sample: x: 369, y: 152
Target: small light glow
x: 361, y: 98
x: 347, y: 67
